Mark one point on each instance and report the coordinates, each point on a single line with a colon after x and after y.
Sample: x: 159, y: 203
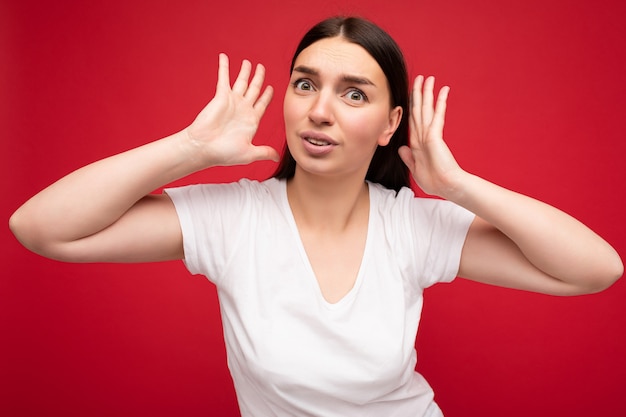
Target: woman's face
x: 337, y: 109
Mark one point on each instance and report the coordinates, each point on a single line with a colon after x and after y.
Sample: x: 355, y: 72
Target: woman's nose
x: 322, y: 110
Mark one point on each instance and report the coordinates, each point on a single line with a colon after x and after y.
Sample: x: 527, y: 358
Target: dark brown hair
x: 386, y: 167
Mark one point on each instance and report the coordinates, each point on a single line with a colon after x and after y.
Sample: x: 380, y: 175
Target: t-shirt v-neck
x: 349, y: 296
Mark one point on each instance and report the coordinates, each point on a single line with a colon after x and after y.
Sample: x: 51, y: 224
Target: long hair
x: 386, y: 167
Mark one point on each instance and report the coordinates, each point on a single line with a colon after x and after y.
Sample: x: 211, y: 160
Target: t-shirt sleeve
x: 213, y: 217
x: 437, y: 230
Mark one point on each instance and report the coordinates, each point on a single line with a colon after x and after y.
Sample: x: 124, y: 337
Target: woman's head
x: 386, y: 167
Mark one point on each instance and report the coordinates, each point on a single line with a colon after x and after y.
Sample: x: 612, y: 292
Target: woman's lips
x: 317, y: 143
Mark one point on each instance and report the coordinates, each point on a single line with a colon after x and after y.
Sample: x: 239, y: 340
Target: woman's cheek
x: 364, y: 127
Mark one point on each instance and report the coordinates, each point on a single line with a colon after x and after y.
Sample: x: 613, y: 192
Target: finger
x: 416, y: 105
x: 427, y: 101
x: 416, y: 99
x: 440, y: 110
x: 257, y: 82
x: 261, y: 104
x: 407, y: 157
x: 241, y: 83
x: 263, y: 153
x: 223, y: 78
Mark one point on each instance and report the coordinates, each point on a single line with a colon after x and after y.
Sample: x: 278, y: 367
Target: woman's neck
x: 331, y: 204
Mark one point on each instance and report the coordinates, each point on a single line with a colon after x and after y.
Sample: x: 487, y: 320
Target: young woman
x: 320, y: 270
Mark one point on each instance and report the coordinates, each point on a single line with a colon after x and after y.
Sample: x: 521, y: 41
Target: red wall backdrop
x: 537, y: 105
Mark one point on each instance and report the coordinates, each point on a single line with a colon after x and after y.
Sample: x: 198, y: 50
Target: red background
x: 537, y: 102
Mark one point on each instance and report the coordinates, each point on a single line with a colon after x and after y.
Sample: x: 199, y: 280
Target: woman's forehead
x: 337, y: 55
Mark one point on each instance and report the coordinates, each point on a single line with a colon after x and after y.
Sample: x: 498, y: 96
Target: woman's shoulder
x: 405, y: 200
x: 381, y: 195
x: 236, y: 194
x: 243, y: 185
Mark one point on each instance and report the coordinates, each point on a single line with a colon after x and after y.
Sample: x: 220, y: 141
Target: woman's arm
x: 519, y: 242
x: 515, y: 241
x: 104, y: 212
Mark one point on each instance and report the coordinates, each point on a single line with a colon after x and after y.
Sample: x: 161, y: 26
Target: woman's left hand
x: 428, y: 157
x: 515, y: 241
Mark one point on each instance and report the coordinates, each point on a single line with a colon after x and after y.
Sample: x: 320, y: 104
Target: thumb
x: 264, y: 153
x: 407, y: 156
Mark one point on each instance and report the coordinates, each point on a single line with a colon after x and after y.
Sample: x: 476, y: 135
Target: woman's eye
x: 303, y: 85
x: 356, y: 95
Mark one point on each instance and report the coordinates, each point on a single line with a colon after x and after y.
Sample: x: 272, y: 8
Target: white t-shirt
x: 290, y: 352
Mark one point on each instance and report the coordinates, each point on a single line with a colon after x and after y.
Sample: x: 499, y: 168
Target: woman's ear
x: 395, y: 116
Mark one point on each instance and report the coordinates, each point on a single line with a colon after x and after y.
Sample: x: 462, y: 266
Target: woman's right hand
x: 223, y: 131
x: 104, y: 212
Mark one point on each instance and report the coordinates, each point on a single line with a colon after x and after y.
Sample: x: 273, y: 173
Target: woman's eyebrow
x: 353, y: 79
x: 306, y: 70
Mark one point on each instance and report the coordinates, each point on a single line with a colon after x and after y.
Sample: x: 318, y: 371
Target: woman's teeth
x: 317, y: 142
